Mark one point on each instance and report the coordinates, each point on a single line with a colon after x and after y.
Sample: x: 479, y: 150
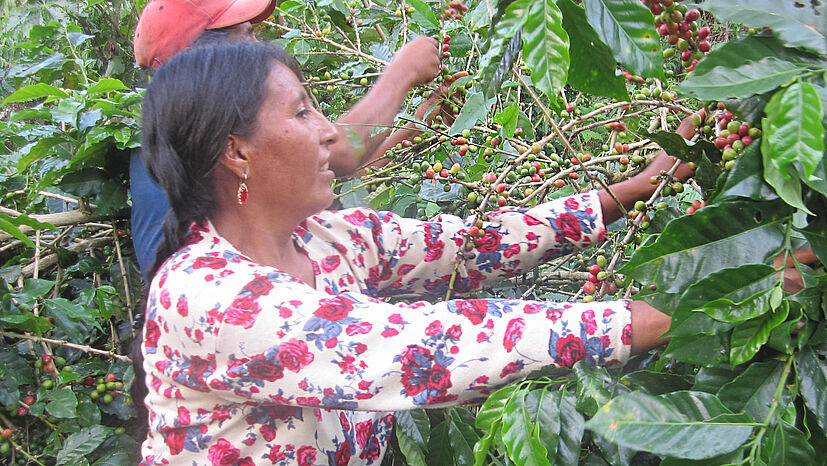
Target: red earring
x: 243, y: 192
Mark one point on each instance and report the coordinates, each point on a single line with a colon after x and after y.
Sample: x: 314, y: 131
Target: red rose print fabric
x: 247, y: 365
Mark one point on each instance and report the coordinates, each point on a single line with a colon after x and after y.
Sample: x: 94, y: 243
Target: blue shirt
x: 149, y: 207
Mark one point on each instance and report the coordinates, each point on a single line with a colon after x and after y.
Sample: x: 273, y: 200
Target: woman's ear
x: 234, y: 157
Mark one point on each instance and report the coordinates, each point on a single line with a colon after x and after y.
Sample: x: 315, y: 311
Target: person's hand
x: 438, y: 103
x: 664, y: 162
x: 418, y: 61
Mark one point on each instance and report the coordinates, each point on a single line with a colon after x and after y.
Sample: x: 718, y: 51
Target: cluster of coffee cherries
x: 678, y: 24
x: 728, y: 134
x: 446, y: 46
x: 105, y: 388
x: 455, y: 10
x: 597, y: 276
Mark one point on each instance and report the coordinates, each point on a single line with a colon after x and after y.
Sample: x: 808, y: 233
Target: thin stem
x: 84, y: 348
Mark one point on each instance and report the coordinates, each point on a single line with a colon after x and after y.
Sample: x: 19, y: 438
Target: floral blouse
x: 247, y: 365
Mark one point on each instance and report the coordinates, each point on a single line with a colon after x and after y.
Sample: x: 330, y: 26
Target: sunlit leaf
x: 649, y: 423
x: 592, y: 65
x: 546, y: 47
x: 627, y: 27
x: 742, y: 68
x: 519, y: 433
x: 793, y: 132
x: 796, y: 25
x: 715, y: 237
x: 34, y: 91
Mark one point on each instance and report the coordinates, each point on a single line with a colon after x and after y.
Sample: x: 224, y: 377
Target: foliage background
x: 744, y: 378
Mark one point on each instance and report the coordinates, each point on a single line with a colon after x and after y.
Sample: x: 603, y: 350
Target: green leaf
x: 27, y: 322
x: 105, y: 85
x: 746, y: 179
x: 591, y: 387
x: 475, y: 108
x: 491, y: 411
x: 796, y: 26
x: 544, y: 408
x: 38, y: 150
x: 715, y: 237
x: 655, y: 383
x: 793, y: 130
x: 816, y: 234
x: 546, y: 47
x: 648, y: 423
x: 70, y: 317
x: 14, y: 372
x: 750, y: 336
x: 489, y: 419
x: 413, y: 430
x: 462, y: 435
x: 592, y: 65
x: 753, y: 390
x: 35, y: 91
x: 688, y: 323
x: 503, y: 46
x: 741, y: 68
x: 80, y: 444
x: 423, y: 12
x: 707, y: 350
x: 696, y: 406
x: 519, y: 433
x: 63, y: 403
x: 440, y: 451
x: 572, y: 426
x: 732, y: 284
x: 702, y: 153
x: 811, y: 372
x: 507, y: 117
x: 627, y: 27
x: 9, y: 227
x: 711, y: 379
x: 788, y: 445
x: 726, y: 310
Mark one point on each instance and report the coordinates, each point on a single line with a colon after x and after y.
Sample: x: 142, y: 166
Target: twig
x: 123, y: 273
x: 84, y: 348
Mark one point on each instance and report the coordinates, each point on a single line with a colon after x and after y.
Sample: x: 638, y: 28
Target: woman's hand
x: 417, y: 61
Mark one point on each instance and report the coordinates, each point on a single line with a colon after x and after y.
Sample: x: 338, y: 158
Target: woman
x: 265, y: 341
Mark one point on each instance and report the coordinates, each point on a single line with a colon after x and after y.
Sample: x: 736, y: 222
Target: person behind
x: 169, y: 26
x: 265, y: 341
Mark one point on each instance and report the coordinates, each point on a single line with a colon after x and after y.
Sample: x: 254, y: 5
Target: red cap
x: 168, y: 26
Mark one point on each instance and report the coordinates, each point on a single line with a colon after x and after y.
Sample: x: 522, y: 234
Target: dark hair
x: 194, y: 102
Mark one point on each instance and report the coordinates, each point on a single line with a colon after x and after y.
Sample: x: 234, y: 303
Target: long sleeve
x: 247, y: 365
x: 351, y: 351
x: 394, y: 256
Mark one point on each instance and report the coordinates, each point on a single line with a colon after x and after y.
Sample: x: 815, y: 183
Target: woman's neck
x: 265, y: 239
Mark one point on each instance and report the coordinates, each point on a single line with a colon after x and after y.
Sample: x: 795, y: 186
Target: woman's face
x: 289, y: 149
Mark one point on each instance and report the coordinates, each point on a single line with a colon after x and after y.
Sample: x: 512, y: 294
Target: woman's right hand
x: 418, y: 61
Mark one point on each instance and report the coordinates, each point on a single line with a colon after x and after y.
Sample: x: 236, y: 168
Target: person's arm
x: 349, y: 351
x: 397, y: 256
x: 414, y: 64
x: 639, y: 187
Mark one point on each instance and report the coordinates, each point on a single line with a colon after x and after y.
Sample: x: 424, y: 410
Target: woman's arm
x: 353, y: 352
x: 639, y: 187
x: 414, y: 64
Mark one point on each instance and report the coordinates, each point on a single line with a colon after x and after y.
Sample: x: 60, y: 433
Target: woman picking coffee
x: 265, y: 339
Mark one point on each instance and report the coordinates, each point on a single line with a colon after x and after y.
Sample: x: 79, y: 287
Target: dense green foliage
x: 561, y: 96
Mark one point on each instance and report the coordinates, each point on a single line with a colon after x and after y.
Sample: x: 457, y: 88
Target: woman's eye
x: 304, y: 113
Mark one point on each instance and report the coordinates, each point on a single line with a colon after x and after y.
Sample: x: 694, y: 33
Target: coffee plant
x: 540, y: 99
